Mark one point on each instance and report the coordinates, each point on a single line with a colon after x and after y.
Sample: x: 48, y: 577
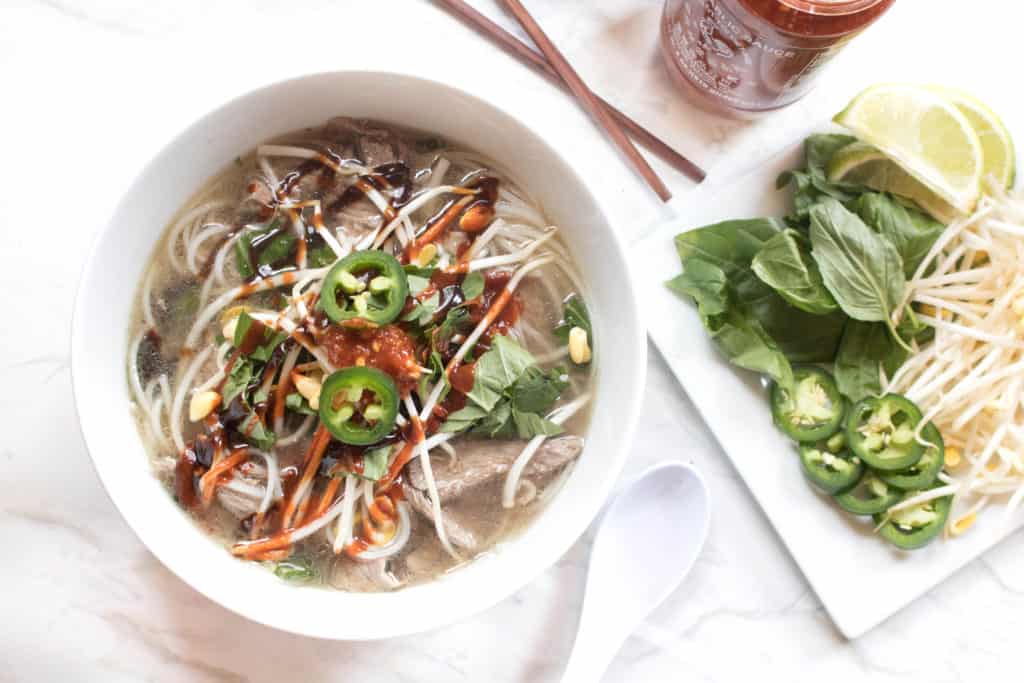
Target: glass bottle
x: 749, y: 56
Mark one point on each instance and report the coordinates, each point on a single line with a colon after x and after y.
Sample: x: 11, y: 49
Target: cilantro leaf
x: 575, y: 314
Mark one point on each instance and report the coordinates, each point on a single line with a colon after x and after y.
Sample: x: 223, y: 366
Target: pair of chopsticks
x: 554, y: 66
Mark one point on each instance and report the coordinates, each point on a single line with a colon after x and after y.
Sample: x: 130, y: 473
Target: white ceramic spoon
x: 646, y: 543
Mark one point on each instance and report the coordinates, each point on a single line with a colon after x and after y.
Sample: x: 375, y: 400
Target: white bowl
x: 107, y: 292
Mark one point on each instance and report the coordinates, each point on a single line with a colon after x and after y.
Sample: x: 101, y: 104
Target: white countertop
x: 92, y: 89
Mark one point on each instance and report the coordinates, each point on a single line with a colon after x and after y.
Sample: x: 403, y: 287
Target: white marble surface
x: 90, y: 91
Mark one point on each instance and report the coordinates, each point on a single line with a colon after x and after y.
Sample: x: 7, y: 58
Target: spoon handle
x: 593, y: 651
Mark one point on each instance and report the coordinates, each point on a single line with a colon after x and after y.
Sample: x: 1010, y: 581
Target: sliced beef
x: 456, y: 527
x: 362, y: 577
x: 373, y: 146
x: 241, y: 496
x: 484, y: 461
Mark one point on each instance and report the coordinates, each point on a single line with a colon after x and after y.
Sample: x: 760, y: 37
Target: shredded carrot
x: 437, y: 228
x: 304, y: 507
x: 492, y: 314
x: 208, y: 482
x: 328, y: 497
x: 404, y: 455
x: 232, y: 359
x: 310, y: 463
x: 272, y: 555
x: 249, y: 550
x: 280, y: 394
x: 381, y: 510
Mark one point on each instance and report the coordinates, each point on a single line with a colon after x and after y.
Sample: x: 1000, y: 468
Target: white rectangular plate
x: 860, y: 579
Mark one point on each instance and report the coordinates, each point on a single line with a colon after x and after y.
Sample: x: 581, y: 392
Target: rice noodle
x: 214, y: 307
x: 428, y: 474
x: 558, y: 416
x: 376, y: 238
x: 350, y: 496
x: 179, y: 395
x: 403, y: 531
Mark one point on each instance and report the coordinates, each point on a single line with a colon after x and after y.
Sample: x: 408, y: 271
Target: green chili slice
x: 829, y: 465
x: 359, y: 405
x: 915, y: 526
x: 925, y: 471
x: 881, y: 432
x: 813, y: 409
x: 367, y: 285
x: 869, y: 495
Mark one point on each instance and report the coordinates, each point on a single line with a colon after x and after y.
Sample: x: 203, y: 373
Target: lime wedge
x: 863, y: 164
x: 925, y: 134
x: 996, y: 143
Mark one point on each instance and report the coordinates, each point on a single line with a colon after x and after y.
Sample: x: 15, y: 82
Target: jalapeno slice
x: 359, y: 405
x: 925, y: 471
x: 829, y: 465
x: 880, y: 432
x: 369, y: 286
x: 812, y: 410
x: 869, y: 495
x: 915, y: 526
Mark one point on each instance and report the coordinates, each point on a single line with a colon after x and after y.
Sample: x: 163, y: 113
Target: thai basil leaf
x: 436, y: 374
x: 912, y: 232
x: 278, y: 247
x: 423, y: 312
x: 243, y: 249
x: 497, y: 424
x: 803, y: 337
x: 705, y: 283
x: 375, y: 462
x: 295, y: 569
x: 269, y: 340
x: 321, y: 257
x: 463, y: 419
x: 296, y: 402
x: 420, y: 271
x: 785, y: 264
x: 863, y: 270
x: 731, y: 246
x: 746, y: 344
x: 574, y: 314
x: 864, y: 347
x: 536, y: 391
x: 455, y: 321
x: 255, y: 432
x: 811, y: 184
x: 243, y: 254
x: 472, y: 286
x: 237, y: 381
x: 529, y: 425
x: 417, y: 283
x: 820, y: 148
x: 497, y: 370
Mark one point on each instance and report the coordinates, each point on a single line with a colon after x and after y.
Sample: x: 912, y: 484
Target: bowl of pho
x: 353, y: 364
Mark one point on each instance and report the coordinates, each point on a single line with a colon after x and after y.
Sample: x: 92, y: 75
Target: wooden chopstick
x: 528, y: 56
x: 587, y: 98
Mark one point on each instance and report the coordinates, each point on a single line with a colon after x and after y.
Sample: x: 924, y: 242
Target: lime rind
x: 863, y: 164
x: 925, y: 134
x: 996, y: 142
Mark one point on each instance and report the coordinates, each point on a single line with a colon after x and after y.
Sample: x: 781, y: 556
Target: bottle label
x: 722, y: 56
